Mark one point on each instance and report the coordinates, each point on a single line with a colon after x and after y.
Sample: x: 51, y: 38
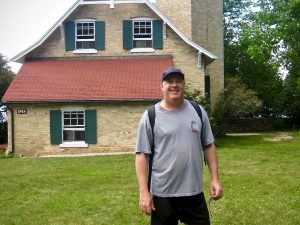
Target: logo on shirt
x: 194, y: 126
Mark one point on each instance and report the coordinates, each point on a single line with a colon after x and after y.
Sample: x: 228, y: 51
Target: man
x: 176, y: 185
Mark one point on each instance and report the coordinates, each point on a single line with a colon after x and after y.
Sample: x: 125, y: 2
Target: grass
x: 260, y: 180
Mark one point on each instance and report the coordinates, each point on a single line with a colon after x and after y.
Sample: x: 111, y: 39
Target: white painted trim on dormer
x: 20, y: 57
x: 85, y: 51
x: 141, y: 50
x: 112, y: 4
x: 85, y: 20
x: 141, y: 18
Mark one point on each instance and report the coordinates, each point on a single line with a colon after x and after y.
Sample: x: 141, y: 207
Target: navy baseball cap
x: 171, y: 70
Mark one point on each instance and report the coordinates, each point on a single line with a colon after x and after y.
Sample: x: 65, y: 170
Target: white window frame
x: 143, y: 49
x: 78, y: 39
x: 73, y: 144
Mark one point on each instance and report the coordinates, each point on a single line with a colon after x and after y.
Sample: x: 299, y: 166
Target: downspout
x: 12, y: 130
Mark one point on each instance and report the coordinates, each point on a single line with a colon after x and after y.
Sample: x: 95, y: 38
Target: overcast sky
x: 23, y: 22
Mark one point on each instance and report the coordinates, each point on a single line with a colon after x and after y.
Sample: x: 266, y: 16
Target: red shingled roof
x: 88, y: 80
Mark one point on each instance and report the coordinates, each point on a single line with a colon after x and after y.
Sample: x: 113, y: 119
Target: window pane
x: 68, y: 135
x: 148, y: 44
x: 73, y: 122
x: 80, y: 122
x: 142, y: 43
x: 79, y: 45
x: 67, y: 122
x: 85, y: 32
x: 79, y: 135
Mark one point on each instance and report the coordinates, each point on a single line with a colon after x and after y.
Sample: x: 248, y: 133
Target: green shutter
x: 100, y: 35
x: 90, y: 126
x: 157, y: 34
x: 127, y: 34
x: 70, y: 35
x: 55, y: 127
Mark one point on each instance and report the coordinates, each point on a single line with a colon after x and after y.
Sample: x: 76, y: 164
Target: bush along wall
x: 258, y: 124
x: 3, y: 133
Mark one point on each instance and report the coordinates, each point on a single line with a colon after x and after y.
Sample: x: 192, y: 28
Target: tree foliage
x: 237, y: 101
x: 6, y: 75
x: 262, y: 37
x: 196, y: 96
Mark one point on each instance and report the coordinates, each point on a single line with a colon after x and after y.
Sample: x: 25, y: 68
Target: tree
x: 196, y: 96
x: 6, y: 75
x: 291, y: 99
x: 275, y: 30
x: 237, y: 101
x: 249, y: 52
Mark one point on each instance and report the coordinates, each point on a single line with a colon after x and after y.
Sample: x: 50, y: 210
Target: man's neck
x: 171, y: 105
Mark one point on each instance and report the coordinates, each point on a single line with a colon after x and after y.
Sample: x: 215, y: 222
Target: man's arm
x: 216, y: 189
x: 141, y: 165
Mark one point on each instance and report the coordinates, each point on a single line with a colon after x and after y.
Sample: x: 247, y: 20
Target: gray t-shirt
x: 177, y: 164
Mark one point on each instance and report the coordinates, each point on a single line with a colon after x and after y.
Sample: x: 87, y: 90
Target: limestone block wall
x: 113, y: 30
x: 179, y: 12
x: 184, y: 56
x: 117, y: 124
x: 207, y: 31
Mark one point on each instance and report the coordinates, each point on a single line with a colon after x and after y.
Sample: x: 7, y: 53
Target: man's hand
x: 146, y: 203
x: 216, y: 190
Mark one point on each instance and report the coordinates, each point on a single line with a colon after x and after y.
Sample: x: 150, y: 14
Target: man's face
x: 173, y: 87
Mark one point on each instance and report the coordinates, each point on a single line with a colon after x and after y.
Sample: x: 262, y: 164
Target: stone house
x: 84, y: 85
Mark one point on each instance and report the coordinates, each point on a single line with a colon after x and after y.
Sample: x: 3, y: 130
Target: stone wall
x: 184, y: 56
x: 117, y: 124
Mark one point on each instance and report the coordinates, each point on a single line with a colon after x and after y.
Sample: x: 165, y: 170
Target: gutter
x: 12, y: 130
x: 82, y: 101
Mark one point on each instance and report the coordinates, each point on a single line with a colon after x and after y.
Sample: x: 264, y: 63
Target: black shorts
x: 191, y: 210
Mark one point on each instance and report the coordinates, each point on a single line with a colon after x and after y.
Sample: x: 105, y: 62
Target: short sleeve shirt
x: 177, y: 163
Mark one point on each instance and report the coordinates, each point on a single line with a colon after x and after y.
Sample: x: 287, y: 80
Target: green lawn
x: 260, y: 177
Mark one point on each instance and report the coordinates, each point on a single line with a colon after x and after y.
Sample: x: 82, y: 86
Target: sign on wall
x: 22, y: 111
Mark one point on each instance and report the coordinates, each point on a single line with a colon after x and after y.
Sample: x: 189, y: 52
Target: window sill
x: 75, y: 144
x: 137, y: 50
x: 85, y: 51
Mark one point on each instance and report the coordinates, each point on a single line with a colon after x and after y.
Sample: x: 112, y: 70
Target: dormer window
x: 84, y: 36
x: 142, y: 34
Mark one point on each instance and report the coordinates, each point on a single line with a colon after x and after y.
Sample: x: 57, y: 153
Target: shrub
x: 237, y: 101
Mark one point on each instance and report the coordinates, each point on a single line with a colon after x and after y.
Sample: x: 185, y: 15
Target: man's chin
x: 175, y: 97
